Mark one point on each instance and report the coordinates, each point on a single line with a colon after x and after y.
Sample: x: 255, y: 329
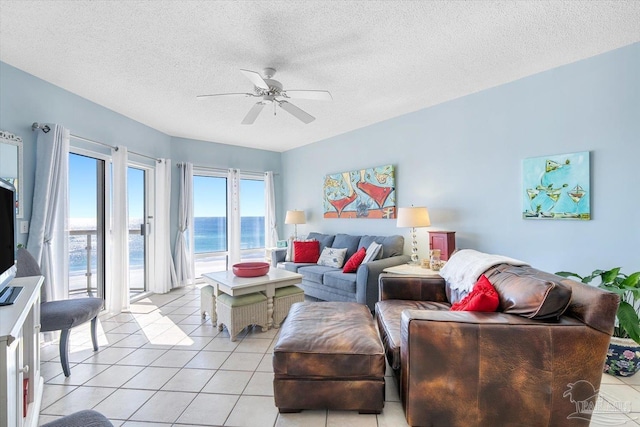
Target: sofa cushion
x: 332, y: 257
x: 391, y: 245
x: 326, y: 240
x: 527, y: 294
x: 336, y: 279
x: 314, y: 272
x: 483, y: 297
x: 374, y: 252
x: 306, y: 251
x: 389, y: 317
x: 346, y: 241
x: 354, y: 262
x: 294, y: 266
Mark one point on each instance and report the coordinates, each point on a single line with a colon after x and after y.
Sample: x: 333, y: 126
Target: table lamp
x: 413, y: 217
x: 295, y: 217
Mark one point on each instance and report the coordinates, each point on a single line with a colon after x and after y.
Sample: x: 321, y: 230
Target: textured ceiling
x: 379, y: 59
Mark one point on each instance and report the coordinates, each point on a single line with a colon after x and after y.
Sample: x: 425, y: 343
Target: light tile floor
x: 163, y: 365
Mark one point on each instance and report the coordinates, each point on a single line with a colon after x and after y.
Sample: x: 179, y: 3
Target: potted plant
x: 623, y: 357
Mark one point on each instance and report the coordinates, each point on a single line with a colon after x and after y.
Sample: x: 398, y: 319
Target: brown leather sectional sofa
x: 536, y: 362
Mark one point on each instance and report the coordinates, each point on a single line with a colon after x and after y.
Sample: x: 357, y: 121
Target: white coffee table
x: 230, y: 284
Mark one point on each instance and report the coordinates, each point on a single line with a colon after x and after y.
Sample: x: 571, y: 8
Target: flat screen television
x: 7, y: 233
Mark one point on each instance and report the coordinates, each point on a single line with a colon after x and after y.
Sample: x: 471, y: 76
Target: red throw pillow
x: 354, y: 262
x: 483, y: 297
x: 306, y: 251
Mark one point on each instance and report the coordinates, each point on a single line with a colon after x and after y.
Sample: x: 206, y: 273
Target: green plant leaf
x: 628, y: 320
x: 632, y: 280
x: 568, y: 274
x: 610, y: 276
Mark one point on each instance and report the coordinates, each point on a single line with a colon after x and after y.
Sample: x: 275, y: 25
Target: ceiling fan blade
x: 319, y: 95
x: 223, y: 94
x: 297, y: 112
x: 256, y: 79
x: 253, y: 114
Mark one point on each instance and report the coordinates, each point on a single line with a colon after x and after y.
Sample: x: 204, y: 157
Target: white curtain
x: 48, y: 232
x: 270, y: 224
x: 118, y: 275
x: 233, y: 216
x: 164, y: 271
x: 183, y: 254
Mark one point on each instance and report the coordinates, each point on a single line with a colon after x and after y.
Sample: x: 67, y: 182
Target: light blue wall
x: 463, y: 160
x: 25, y: 99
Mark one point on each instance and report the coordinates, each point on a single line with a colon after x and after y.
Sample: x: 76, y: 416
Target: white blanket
x: 464, y: 267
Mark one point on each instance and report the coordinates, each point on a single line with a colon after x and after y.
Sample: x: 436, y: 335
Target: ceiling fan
x: 272, y: 92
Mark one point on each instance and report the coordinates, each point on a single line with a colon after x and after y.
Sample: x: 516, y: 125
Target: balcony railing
x: 84, y: 281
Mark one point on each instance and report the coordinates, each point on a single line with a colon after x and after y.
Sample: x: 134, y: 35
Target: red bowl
x: 250, y: 269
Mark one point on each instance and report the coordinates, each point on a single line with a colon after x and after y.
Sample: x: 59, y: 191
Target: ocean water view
x: 210, y: 235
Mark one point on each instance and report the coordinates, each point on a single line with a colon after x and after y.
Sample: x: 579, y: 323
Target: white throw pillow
x: 332, y: 257
x: 373, y: 251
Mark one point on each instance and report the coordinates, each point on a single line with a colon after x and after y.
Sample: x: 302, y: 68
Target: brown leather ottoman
x: 329, y: 356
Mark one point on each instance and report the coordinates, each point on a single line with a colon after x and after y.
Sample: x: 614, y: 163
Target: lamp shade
x: 295, y: 217
x: 413, y: 217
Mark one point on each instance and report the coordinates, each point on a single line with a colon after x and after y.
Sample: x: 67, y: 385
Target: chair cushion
x: 389, y: 317
x: 346, y: 241
x: 483, y: 297
x: 27, y: 266
x: 65, y: 314
x: 86, y: 418
x: 241, y: 300
x: 326, y: 240
x: 314, y: 272
x: 287, y: 291
x: 332, y: 257
x: 391, y: 245
x: 336, y: 279
x: 527, y: 294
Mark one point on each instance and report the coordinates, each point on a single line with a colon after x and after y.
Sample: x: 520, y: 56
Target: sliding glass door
x: 86, y: 224
x: 252, y: 208
x: 139, y: 229
x: 210, y: 221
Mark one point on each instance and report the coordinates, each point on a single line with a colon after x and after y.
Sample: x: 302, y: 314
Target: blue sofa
x: 331, y: 284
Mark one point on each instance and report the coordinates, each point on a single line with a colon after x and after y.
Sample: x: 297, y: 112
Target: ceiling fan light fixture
x: 272, y: 92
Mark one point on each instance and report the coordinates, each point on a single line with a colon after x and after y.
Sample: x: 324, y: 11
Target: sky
x: 209, y: 193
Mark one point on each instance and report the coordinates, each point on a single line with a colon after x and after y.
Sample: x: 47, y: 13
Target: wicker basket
x: 236, y: 313
x: 282, y: 302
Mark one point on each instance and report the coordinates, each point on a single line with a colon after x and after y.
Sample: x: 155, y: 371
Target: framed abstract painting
x: 557, y: 187
x: 363, y: 193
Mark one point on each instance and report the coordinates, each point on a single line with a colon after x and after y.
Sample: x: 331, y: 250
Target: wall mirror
x: 11, y: 165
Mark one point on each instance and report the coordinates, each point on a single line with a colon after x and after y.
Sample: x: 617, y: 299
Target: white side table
x: 411, y: 270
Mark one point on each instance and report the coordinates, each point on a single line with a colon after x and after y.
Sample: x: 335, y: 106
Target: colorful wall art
x: 364, y: 193
x: 557, y: 187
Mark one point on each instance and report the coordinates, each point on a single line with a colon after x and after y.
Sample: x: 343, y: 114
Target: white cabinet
x: 20, y: 355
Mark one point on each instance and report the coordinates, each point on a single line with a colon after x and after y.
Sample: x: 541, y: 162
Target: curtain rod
x: 208, y: 168
x: 46, y: 129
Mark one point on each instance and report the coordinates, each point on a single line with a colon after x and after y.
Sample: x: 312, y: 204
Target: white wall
x: 463, y: 160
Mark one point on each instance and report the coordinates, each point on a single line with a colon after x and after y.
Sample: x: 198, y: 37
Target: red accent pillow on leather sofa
x: 306, y: 251
x: 351, y: 266
x: 483, y: 297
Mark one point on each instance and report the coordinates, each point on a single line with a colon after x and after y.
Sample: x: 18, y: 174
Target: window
x: 210, y: 220
x: 252, y: 207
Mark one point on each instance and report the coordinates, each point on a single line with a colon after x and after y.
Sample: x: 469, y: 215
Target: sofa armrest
x: 278, y: 255
x: 414, y: 288
x: 367, y: 278
x: 506, y: 368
